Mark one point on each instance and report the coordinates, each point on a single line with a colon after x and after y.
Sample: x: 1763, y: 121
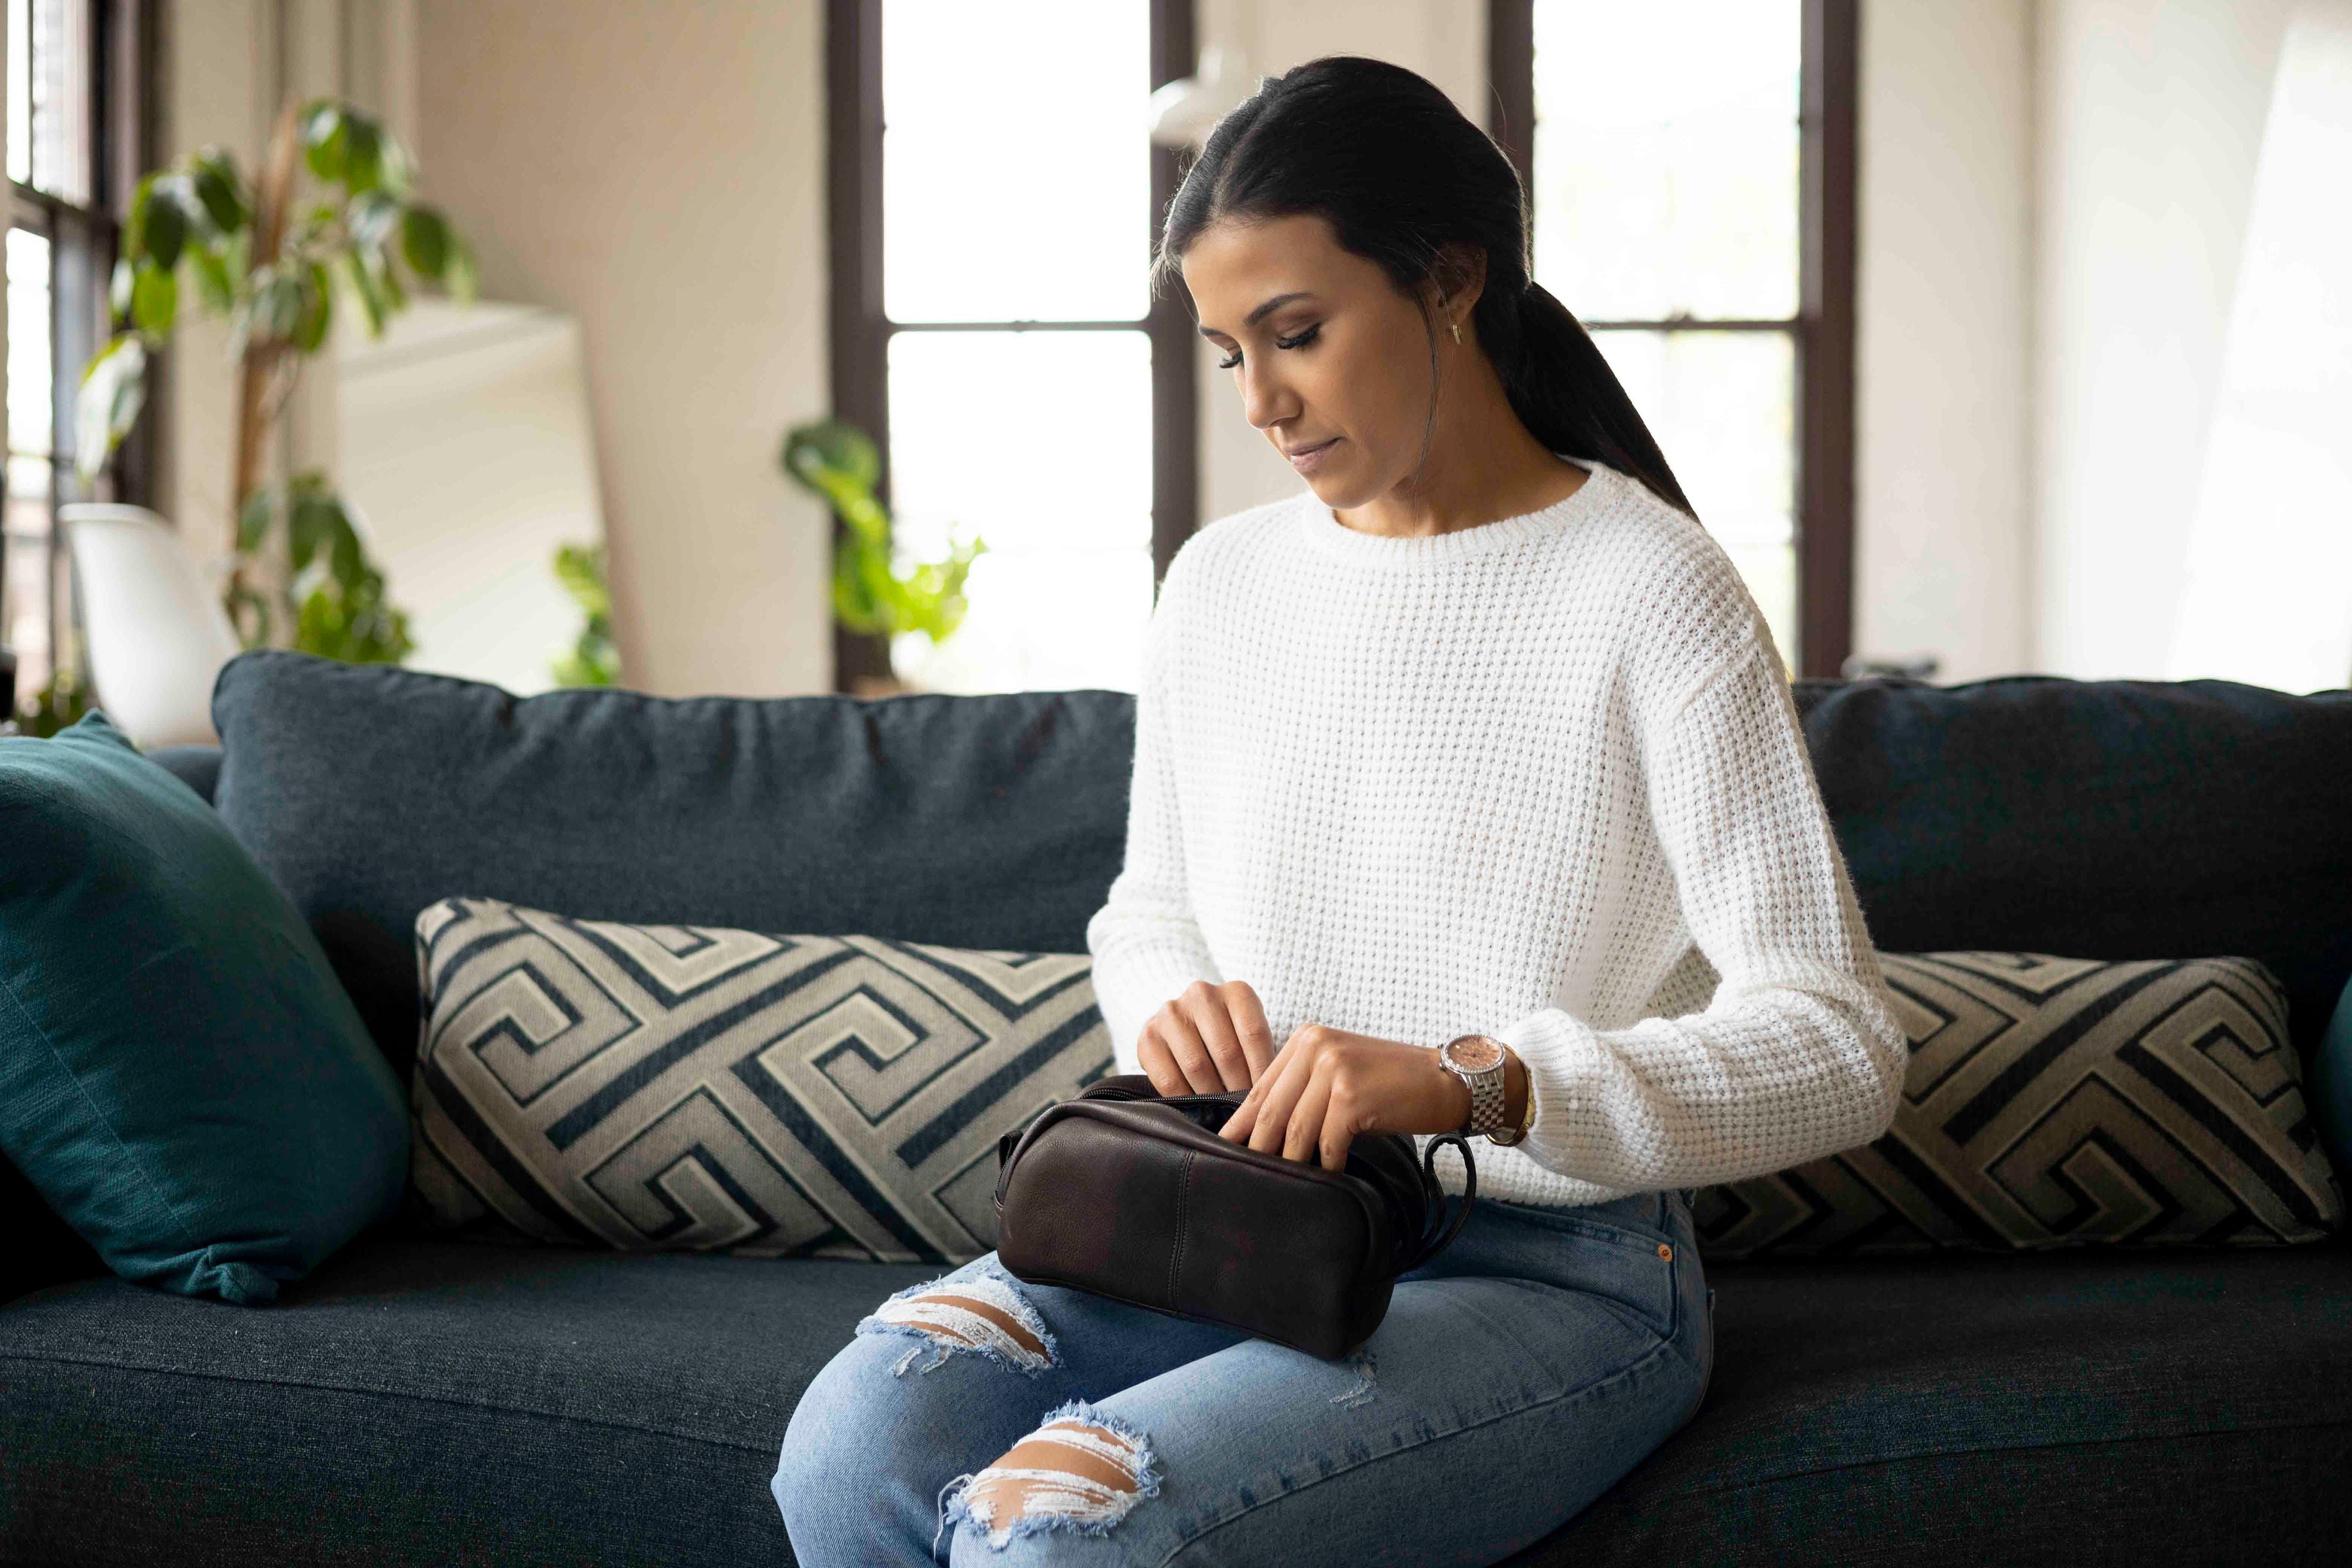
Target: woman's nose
x: 1265, y: 399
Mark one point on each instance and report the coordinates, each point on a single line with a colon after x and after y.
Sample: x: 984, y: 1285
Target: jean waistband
x: 1665, y: 1209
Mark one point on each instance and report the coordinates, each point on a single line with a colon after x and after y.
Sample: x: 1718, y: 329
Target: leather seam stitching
x: 1183, y: 1223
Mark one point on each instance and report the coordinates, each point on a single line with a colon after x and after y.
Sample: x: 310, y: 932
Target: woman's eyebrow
x: 1254, y: 317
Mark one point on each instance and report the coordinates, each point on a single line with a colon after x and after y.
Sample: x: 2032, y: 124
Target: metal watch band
x: 1526, y: 1116
x: 1486, y: 1087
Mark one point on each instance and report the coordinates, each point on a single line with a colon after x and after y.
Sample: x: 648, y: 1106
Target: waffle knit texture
x: 1543, y: 779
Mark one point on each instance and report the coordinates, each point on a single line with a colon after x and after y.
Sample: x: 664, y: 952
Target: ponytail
x: 1563, y: 389
x: 1383, y: 156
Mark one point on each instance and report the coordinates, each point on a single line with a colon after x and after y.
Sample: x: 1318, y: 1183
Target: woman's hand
x: 1326, y: 1085
x: 1211, y: 1039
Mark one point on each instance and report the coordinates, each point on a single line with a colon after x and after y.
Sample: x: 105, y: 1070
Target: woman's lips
x: 1307, y: 459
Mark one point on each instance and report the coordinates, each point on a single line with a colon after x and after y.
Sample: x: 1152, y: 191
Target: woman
x: 1479, y: 735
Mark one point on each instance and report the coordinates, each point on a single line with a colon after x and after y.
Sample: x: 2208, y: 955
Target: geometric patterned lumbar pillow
x: 2057, y: 1103
x: 682, y: 1087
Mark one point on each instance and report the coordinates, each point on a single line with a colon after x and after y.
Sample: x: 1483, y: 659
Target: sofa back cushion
x: 370, y: 792
x: 2113, y: 819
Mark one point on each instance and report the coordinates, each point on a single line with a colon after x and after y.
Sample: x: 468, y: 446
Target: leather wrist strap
x: 1526, y: 1111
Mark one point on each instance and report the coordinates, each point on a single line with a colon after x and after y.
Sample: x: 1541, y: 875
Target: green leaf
x: 373, y: 217
x: 581, y: 570
x: 154, y: 300
x: 362, y: 154
x: 872, y: 593
x: 323, y: 139
x: 395, y: 297
x: 398, y: 171
x: 254, y: 520
x: 118, y: 287
x: 248, y: 612
x: 425, y: 241
x: 364, y: 285
x: 832, y: 444
x: 274, y: 311
x: 213, y: 285
x: 134, y: 222
x: 318, y: 309
x: 113, y: 389
x: 463, y: 280
x: 310, y: 527
x: 220, y: 189
x: 347, y: 560
x: 166, y: 229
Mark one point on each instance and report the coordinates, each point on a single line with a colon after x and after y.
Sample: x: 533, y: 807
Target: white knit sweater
x: 1541, y: 778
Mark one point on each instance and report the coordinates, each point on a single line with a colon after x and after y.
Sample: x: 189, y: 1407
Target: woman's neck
x: 1482, y: 465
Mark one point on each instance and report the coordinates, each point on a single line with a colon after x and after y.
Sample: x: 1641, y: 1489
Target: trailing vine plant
x: 871, y: 592
x: 595, y: 659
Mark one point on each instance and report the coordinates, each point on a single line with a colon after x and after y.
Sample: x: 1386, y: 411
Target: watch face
x: 1475, y: 1053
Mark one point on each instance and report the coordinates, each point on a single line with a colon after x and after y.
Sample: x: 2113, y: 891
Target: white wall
x: 657, y: 170
x: 2151, y: 115
x: 1943, y: 436
x: 219, y: 71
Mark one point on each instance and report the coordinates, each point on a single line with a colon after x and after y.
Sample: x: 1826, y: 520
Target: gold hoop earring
x: 1458, y: 330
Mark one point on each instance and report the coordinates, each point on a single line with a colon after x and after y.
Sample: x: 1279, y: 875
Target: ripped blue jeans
x: 978, y: 1419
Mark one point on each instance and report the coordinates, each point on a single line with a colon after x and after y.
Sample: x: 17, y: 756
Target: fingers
x: 1304, y: 1139
x: 1212, y: 1040
x: 1303, y: 1107
x: 1281, y: 1087
x: 1242, y: 1122
x: 1192, y: 1068
x: 1249, y: 1023
x: 1204, y: 1005
x: 1153, y: 1054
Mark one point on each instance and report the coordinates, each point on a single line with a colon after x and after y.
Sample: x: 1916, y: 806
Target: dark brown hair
x: 1383, y: 156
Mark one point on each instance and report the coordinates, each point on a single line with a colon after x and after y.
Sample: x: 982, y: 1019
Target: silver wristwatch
x: 1477, y: 1060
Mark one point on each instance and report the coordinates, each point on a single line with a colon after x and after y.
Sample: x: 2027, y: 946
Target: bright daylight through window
x: 1667, y: 218
x: 1007, y: 202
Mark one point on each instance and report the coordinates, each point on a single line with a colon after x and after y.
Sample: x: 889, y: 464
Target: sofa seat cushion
x: 525, y: 1405
x: 422, y: 1400
x: 2075, y: 1407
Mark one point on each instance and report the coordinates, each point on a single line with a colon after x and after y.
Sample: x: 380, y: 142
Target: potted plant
x: 270, y: 258
x: 873, y: 592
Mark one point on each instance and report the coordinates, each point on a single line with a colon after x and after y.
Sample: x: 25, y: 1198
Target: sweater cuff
x: 1563, y: 1056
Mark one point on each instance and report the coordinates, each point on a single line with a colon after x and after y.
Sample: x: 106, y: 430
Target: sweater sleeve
x: 1799, y: 1053
x: 1146, y: 945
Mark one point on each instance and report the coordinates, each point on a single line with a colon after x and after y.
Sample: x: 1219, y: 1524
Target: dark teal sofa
x: 423, y: 1400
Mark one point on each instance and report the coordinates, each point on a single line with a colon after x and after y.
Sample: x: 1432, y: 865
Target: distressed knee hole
x: 1081, y: 1469
x: 984, y: 1313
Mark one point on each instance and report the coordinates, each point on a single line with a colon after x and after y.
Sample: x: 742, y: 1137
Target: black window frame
x: 862, y: 327
x: 83, y: 243
x: 1823, y: 331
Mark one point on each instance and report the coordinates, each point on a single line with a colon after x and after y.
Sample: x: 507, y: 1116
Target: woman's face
x: 1332, y: 362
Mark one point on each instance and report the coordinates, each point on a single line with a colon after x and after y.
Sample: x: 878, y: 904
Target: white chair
x: 155, y: 634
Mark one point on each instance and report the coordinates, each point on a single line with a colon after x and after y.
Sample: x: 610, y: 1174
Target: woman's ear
x: 1456, y: 278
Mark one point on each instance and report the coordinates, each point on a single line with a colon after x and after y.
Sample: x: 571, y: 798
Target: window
x: 74, y: 124
x: 1689, y: 165
x: 993, y: 197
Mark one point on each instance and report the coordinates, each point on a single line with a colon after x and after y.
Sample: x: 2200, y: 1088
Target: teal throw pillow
x: 180, y: 1076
